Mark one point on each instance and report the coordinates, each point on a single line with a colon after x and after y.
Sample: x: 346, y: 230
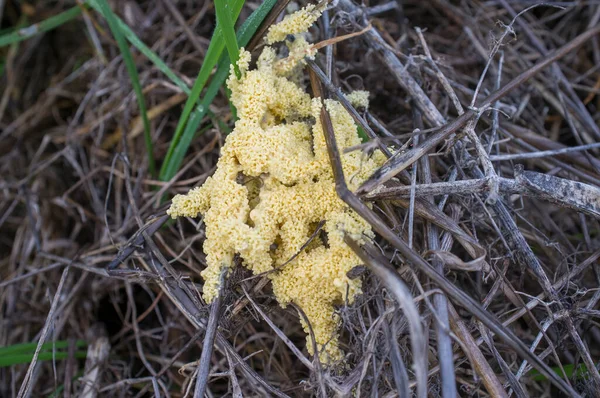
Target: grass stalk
x: 228, y: 32
x: 133, y: 75
x: 184, y: 133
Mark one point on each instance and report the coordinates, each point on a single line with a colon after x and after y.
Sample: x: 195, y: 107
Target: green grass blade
x: 144, y: 49
x: 30, y: 347
x: 363, y: 136
x: 194, y: 122
x: 228, y: 31
x: 17, y: 359
x: 215, y: 49
x: 16, y: 35
x: 23, y: 353
x: 40, y: 27
x: 133, y: 75
x: 244, y: 35
x: 21, y: 348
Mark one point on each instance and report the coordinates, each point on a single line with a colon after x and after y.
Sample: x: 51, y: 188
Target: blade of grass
x: 144, y: 49
x: 133, y: 75
x: 228, y: 32
x: 363, y: 136
x: 23, y: 353
x: 215, y: 49
x: 17, y: 359
x: 40, y: 27
x: 196, y: 117
x: 13, y: 35
x: 10, y: 36
x: 180, y: 148
x: 17, y: 35
x: 30, y: 347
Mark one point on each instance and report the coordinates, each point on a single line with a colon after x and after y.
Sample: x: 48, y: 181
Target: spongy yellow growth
x: 272, y: 187
x: 297, y: 22
x: 299, y: 50
x: 359, y: 99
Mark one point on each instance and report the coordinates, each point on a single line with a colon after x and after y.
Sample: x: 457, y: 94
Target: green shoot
x: 144, y: 49
x: 133, y: 75
x: 363, y: 136
x: 23, y: 353
x: 40, y: 27
x: 215, y: 48
x: 228, y: 31
x: 181, y: 144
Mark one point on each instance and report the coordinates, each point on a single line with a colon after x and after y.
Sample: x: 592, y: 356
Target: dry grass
x: 466, y: 94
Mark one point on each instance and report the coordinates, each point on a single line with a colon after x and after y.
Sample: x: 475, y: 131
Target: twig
x: 578, y: 105
x: 209, y: 341
x: 531, y: 261
x: 28, y: 379
x: 398, y: 367
x: 281, y: 335
x: 399, y: 162
x: 411, y: 202
x: 496, y: 105
x: 313, y: 341
x: 346, y: 104
x: 438, y: 73
x: 138, y: 240
x: 413, y: 258
x: 266, y: 24
x: 566, y: 193
x: 484, y: 159
x: 138, y: 341
x: 172, y: 8
x: 402, y: 295
x: 497, y: 44
x: 481, y: 364
x: 97, y: 354
x: 440, y: 302
x: 541, y: 154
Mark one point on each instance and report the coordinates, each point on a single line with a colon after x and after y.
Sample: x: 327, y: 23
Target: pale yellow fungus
x: 299, y: 49
x: 359, y: 99
x: 273, y: 186
x: 298, y: 22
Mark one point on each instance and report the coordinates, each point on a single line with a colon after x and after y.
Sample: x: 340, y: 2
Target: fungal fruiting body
x: 359, y: 99
x: 273, y: 185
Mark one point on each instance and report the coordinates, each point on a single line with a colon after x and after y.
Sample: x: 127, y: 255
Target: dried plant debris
x: 448, y: 245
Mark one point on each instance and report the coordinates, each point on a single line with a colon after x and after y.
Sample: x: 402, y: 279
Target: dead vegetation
x: 486, y: 260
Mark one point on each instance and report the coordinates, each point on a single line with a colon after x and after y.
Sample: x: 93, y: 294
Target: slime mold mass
x: 274, y: 184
